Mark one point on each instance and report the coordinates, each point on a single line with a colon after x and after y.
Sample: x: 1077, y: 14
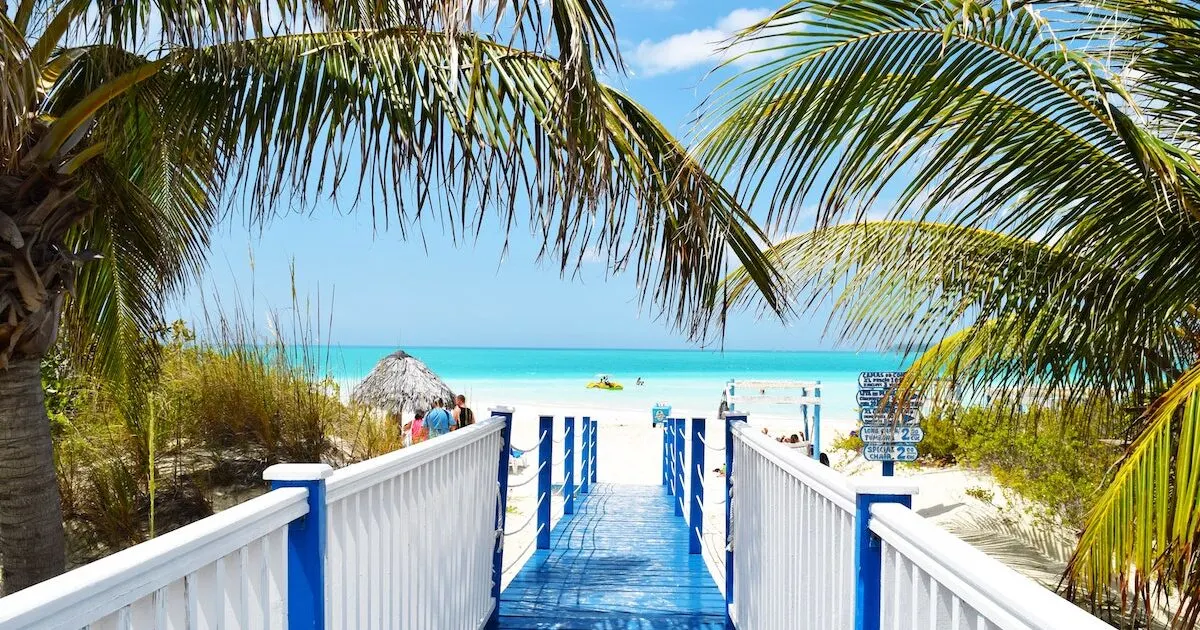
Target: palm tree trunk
x: 31, y: 528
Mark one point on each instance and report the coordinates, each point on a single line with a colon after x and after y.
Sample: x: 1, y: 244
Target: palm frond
x: 380, y: 117
x: 1144, y: 528
x: 1052, y: 318
x: 973, y: 109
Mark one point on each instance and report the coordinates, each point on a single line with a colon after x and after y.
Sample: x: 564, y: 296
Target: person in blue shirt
x: 438, y: 420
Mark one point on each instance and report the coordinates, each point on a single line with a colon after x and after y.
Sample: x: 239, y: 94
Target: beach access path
x: 621, y: 561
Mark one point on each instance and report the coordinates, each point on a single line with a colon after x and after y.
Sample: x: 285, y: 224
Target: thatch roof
x: 400, y: 383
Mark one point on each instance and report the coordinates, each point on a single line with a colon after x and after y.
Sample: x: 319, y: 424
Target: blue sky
x: 382, y: 290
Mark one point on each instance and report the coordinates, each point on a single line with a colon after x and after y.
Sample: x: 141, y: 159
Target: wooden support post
x: 568, y: 489
x: 868, y: 549
x: 696, y: 470
x: 493, y: 622
x: 729, y: 572
x: 306, y: 544
x: 585, y: 443
x: 595, y: 445
x: 545, y: 464
x: 680, y: 465
x: 666, y: 454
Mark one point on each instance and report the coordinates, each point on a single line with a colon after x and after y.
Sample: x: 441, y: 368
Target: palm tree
x: 126, y: 129
x: 1015, y: 186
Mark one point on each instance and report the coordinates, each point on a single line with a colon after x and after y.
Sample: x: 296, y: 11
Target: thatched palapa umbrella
x: 400, y: 383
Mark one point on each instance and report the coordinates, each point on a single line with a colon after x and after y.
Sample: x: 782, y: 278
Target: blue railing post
x: 568, y: 490
x: 545, y: 466
x: 680, y: 464
x: 585, y: 444
x: 868, y: 551
x: 595, y: 445
x: 306, y: 544
x: 493, y: 622
x: 669, y: 437
x: 696, y: 518
x: 669, y: 456
x: 729, y: 420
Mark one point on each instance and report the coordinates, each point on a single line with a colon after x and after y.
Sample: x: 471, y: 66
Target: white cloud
x: 706, y: 46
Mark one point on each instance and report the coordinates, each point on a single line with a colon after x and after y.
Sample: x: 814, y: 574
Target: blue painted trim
x: 585, y: 444
x: 306, y: 558
x: 696, y: 513
x: 568, y: 489
x: 669, y: 438
x: 889, y: 469
x: 729, y: 420
x: 545, y: 464
x: 680, y: 454
x: 493, y: 622
x: 595, y: 449
x: 868, y: 560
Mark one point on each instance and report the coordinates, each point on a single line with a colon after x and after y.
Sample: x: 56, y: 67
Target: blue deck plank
x: 620, y: 562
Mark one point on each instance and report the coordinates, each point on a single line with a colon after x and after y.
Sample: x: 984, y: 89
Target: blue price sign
x: 884, y: 434
x: 891, y: 452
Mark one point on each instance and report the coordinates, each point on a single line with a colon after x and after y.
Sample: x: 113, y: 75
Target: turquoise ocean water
x: 691, y: 380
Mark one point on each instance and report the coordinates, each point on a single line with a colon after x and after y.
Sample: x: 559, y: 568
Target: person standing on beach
x: 463, y: 416
x: 438, y: 420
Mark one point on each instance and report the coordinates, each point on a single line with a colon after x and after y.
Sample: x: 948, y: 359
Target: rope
x: 539, y: 443
x: 521, y: 556
x: 709, y: 446
x: 526, y: 523
x: 531, y: 478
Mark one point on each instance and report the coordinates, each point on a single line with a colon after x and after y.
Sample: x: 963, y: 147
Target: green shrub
x: 1054, y: 458
x: 851, y: 443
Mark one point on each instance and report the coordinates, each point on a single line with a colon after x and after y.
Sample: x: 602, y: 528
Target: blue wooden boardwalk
x: 620, y: 562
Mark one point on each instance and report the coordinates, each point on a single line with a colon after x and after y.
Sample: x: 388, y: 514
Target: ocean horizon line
x: 615, y: 349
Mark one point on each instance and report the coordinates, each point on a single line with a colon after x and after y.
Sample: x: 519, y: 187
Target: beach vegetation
x: 1011, y: 192
x: 848, y: 443
x: 127, y: 131
x: 136, y: 463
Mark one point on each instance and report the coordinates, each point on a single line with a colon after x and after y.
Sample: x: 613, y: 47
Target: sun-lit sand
x: 629, y: 452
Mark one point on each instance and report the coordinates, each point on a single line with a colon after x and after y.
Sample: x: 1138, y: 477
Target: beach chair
x: 516, y: 463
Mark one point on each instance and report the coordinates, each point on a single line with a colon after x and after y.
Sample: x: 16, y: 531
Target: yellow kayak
x: 605, y: 385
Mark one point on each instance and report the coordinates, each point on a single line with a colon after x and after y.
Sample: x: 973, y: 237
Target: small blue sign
x: 660, y: 413
x: 884, y: 434
x: 890, y: 452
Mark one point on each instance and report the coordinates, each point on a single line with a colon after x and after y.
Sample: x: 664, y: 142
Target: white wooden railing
x: 812, y: 549
x: 931, y: 580
x: 226, y: 571
x: 407, y: 540
x: 793, y: 531
x: 411, y: 534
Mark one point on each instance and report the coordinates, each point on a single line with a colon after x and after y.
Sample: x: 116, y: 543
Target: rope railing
x: 535, y: 445
x: 521, y: 556
x: 531, y: 478
x: 710, y: 446
x: 552, y: 502
x: 532, y: 515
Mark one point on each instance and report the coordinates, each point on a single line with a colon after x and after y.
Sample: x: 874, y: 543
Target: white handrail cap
x: 297, y: 472
x: 500, y: 409
x: 884, y: 485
